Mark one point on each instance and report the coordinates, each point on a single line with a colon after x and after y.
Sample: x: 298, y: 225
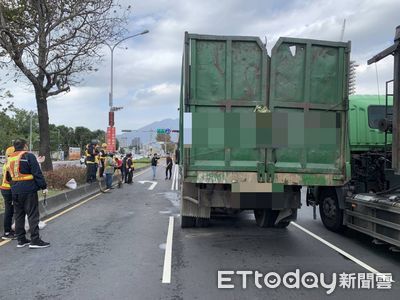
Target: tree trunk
x: 44, y: 132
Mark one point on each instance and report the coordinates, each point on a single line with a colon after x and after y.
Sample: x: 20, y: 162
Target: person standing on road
x: 101, y: 159
x: 25, y: 175
x: 123, y: 168
x: 91, y: 168
x: 118, y: 170
x: 5, y: 188
x: 109, y: 170
x: 129, y: 167
x: 168, y: 169
x: 154, y: 161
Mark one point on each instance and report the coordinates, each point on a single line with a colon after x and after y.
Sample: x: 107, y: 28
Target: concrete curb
x: 64, y: 200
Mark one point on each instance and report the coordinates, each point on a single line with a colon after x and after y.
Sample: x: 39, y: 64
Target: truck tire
x: 188, y: 222
x: 265, y: 217
x: 331, y: 214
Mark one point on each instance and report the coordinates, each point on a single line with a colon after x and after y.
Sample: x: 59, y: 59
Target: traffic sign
x: 163, y: 131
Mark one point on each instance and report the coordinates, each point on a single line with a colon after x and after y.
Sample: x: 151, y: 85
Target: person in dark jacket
x: 123, y: 169
x: 91, y: 165
x: 26, y: 178
x: 154, y: 161
x: 168, y: 168
x: 129, y: 167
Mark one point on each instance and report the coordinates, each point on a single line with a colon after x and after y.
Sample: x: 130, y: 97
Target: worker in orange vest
x: 25, y: 175
x: 5, y: 188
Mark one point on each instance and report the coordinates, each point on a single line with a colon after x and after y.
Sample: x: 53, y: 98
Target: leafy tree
x: 82, y: 136
x: 165, y: 138
x: 5, y: 100
x: 7, y: 130
x: 52, y: 42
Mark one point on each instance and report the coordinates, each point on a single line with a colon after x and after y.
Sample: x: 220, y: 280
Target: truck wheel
x: 331, y: 214
x: 265, y: 217
x: 188, y: 222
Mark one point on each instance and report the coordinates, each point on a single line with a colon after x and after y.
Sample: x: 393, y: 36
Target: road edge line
x: 337, y: 249
x: 166, y: 278
x: 177, y: 178
x: 173, y: 179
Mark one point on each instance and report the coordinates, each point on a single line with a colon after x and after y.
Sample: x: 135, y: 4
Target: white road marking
x: 152, y: 186
x: 173, y: 178
x: 177, y: 178
x: 166, y: 278
x: 337, y: 249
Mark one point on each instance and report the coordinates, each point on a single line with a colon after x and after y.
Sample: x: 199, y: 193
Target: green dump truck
x: 255, y: 128
x: 370, y: 201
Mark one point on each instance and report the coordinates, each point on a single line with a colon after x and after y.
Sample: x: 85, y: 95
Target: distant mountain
x: 148, y: 133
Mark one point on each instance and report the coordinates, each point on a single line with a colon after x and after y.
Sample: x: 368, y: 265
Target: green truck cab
x: 255, y: 128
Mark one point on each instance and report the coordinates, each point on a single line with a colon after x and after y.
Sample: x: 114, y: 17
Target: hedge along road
x: 113, y: 247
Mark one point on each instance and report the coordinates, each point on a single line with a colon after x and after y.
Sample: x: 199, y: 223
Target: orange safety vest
x: 13, y: 167
x: 5, y: 185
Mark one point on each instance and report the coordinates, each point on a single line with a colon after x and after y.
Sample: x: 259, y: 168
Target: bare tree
x: 52, y: 42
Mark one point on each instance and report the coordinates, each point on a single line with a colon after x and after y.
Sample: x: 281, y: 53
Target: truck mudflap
x: 375, y: 215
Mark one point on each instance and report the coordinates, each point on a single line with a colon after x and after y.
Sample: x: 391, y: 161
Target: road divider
x: 166, y: 278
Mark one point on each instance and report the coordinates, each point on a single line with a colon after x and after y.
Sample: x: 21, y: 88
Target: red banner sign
x: 111, y: 139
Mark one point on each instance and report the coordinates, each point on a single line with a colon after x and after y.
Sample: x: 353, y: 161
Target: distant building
x: 136, y: 144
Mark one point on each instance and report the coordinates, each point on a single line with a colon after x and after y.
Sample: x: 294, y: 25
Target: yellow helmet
x: 9, y: 151
x: 104, y: 145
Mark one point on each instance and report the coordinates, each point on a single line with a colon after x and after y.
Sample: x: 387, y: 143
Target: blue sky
x: 147, y: 73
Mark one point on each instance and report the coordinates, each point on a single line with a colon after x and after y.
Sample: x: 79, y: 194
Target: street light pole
x: 111, y: 129
x: 112, y: 48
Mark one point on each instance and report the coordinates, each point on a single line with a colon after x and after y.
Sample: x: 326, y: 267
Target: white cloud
x: 147, y: 73
x: 164, y: 94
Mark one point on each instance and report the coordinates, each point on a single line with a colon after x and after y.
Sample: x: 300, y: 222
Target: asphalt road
x: 113, y: 247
